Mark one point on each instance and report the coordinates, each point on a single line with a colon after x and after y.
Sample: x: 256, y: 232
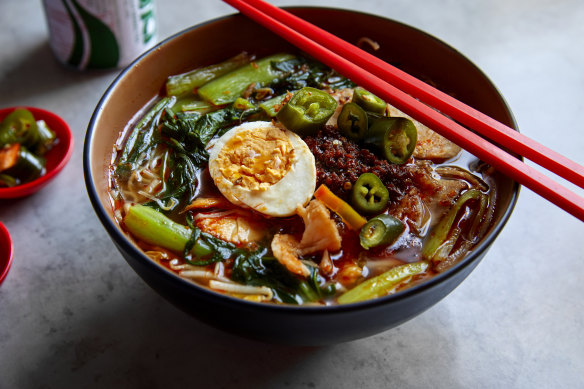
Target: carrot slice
x: 341, y: 208
x: 9, y: 156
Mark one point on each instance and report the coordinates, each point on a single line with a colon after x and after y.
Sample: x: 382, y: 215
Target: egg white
x: 280, y: 199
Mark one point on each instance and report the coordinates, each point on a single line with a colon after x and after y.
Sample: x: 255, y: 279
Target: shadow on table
x: 129, y: 337
x: 143, y: 342
x: 93, y: 323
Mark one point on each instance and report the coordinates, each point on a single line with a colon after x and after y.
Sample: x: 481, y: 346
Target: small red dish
x: 56, y: 158
x: 6, y: 252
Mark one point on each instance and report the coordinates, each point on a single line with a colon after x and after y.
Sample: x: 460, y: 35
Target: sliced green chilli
x: 19, y: 126
x: 352, y: 121
x: 394, y: 138
x: 369, y: 195
x: 381, y: 230
x: 368, y: 101
x: 307, y: 111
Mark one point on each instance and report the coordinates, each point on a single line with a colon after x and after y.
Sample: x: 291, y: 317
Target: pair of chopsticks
x: 417, y: 98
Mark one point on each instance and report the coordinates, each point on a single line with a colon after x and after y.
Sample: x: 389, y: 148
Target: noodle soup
x: 277, y: 180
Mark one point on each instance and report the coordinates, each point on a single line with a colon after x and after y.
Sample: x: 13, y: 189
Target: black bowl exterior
x: 410, y: 48
x: 299, y: 326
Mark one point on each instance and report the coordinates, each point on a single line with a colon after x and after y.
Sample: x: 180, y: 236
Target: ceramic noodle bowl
x: 140, y: 83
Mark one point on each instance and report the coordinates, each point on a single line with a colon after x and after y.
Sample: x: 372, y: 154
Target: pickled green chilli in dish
x: 23, y: 143
x: 277, y: 180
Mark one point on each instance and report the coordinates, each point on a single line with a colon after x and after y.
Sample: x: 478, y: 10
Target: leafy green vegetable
x: 211, y: 123
x: 185, y: 135
x: 178, y: 125
x: 218, y: 250
x: 195, y: 131
x: 181, y: 185
x: 255, y: 268
x: 142, y: 139
x: 303, y: 72
x: 260, y: 270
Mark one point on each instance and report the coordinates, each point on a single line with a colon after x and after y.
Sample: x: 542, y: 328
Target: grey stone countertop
x: 74, y: 315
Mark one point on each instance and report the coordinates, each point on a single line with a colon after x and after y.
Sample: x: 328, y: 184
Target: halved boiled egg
x: 263, y: 167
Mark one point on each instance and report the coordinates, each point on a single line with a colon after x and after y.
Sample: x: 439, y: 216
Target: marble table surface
x: 74, y: 315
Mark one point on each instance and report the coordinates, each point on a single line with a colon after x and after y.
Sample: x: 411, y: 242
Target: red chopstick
x: 433, y: 97
x: 486, y: 151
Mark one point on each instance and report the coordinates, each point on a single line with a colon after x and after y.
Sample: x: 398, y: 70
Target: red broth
x: 232, y: 247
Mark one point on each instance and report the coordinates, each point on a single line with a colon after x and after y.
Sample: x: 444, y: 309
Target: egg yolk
x: 256, y: 158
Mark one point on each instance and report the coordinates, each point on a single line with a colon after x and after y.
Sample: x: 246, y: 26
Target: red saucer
x: 56, y: 158
x: 6, y: 252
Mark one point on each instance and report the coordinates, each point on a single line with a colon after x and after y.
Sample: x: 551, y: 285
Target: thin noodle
x: 241, y: 289
x: 197, y: 274
x: 219, y: 269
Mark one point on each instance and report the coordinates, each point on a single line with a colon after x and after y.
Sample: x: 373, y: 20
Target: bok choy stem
x: 187, y: 82
x: 153, y: 227
x: 382, y: 284
x: 198, y: 248
x: 230, y: 86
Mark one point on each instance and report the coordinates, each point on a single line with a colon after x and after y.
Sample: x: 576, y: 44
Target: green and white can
x: 100, y: 34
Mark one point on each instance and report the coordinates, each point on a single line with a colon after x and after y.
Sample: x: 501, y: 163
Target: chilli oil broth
x: 421, y: 198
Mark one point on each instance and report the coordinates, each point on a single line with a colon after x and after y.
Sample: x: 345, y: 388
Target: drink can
x: 100, y: 34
